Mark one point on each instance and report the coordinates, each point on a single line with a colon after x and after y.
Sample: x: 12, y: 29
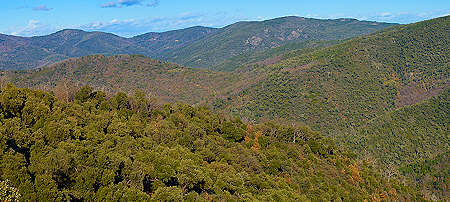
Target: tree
x: 83, y: 94
x: 7, y: 192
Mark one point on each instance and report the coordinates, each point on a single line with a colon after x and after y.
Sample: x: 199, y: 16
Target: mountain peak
x: 180, y: 45
x: 71, y: 31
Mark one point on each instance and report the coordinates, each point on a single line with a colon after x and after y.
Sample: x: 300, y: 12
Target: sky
x: 133, y: 17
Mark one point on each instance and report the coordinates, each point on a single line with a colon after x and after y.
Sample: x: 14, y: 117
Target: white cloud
x: 33, y: 28
x: 132, y: 27
x: 406, y: 17
x: 402, y: 17
x: 385, y: 14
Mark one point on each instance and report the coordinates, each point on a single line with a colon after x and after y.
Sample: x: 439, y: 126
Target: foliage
x: 410, y: 134
x: 374, y: 94
x: 8, y: 193
x: 339, y: 88
x: 168, y: 82
x: 270, y: 56
x: 94, y: 148
x: 431, y: 175
x: 359, y: 92
x: 413, y: 141
x: 248, y: 37
x: 32, y: 52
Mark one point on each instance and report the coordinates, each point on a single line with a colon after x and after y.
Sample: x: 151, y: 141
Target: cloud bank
x: 33, y: 28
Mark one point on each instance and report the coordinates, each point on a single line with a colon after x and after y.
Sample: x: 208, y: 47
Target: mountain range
x: 195, y: 47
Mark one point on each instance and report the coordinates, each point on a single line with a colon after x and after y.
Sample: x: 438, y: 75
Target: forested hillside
x: 247, y: 37
x: 413, y: 141
x: 157, y: 44
x: 360, y: 91
x: 194, y: 46
x: 246, y: 61
x: 339, y: 88
x: 410, y: 134
x: 126, y: 148
x: 167, y: 82
x: 431, y: 176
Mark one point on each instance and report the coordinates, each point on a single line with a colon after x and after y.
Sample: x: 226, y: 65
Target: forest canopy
x: 128, y: 148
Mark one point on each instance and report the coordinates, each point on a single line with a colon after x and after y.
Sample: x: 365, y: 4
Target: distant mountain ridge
x: 160, y: 42
x: 195, y: 46
x: 245, y: 37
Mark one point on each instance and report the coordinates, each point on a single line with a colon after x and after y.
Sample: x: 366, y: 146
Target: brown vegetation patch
x: 270, y: 61
x: 414, y: 93
x: 296, y: 69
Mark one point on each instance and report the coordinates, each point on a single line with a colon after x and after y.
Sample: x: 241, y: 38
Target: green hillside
x: 77, y: 43
x: 339, y: 88
x: 158, y: 43
x: 270, y: 56
x: 167, y: 82
x: 128, y: 149
x: 413, y: 141
x: 246, y: 37
x: 410, y: 134
x: 21, y: 53
x: 360, y: 91
x: 384, y: 96
x: 18, y: 53
x: 431, y: 176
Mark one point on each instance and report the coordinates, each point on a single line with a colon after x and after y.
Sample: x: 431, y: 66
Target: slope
x: 341, y: 87
x: 127, y: 73
x: 270, y: 56
x: 158, y: 43
x: 20, y: 53
x: 31, y: 52
x: 411, y: 134
x: 413, y: 141
x: 244, y: 37
x: 125, y: 149
x: 76, y: 43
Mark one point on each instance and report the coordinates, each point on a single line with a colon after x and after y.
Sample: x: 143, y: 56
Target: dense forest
x: 167, y: 82
x: 250, y: 60
x: 127, y: 148
x: 359, y: 92
x: 339, y: 88
x: 285, y: 117
x: 411, y: 142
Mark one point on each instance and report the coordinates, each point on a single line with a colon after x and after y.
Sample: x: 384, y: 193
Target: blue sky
x: 133, y: 17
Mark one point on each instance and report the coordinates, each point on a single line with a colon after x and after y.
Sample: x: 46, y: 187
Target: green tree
x: 7, y: 192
